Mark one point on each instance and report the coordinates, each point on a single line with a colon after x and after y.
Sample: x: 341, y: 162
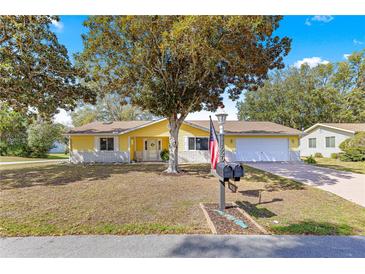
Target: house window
x: 312, y: 142
x: 145, y: 145
x: 107, y: 144
x: 198, y: 143
x: 330, y: 141
x: 159, y: 144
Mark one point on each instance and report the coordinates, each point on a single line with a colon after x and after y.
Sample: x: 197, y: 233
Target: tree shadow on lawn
x: 308, y: 227
x: 272, y: 181
x: 313, y: 228
x: 200, y: 170
x: 255, y: 211
x: 63, y: 174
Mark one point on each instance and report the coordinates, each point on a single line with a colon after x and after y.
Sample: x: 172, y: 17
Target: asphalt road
x: 207, y: 246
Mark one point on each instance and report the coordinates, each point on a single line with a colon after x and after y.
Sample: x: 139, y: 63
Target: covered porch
x: 147, y: 148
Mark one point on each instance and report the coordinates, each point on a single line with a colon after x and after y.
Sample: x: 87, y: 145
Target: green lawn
x: 57, y: 156
x: 59, y: 199
x: 357, y: 167
x: 51, y: 156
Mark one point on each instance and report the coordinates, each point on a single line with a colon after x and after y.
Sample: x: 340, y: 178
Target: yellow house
x: 128, y: 141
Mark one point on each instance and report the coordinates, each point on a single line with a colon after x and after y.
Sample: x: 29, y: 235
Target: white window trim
x: 309, y: 143
x: 187, y: 140
x: 116, y: 144
x: 325, y: 140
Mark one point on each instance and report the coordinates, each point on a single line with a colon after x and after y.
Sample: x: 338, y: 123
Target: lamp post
x: 221, y: 116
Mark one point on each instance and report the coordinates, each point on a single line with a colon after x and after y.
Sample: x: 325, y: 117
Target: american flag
x: 213, y: 145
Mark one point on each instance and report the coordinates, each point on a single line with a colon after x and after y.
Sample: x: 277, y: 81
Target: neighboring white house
x: 325, y: 138
x: 58, y: 148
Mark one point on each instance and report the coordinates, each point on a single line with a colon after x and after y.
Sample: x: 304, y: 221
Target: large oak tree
x: 35, y: 70
x: 174, y: 65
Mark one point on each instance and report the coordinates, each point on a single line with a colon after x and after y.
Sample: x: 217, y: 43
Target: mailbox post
x: 221, y: 116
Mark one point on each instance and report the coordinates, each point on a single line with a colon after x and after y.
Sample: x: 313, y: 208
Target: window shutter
x: 186, y: 143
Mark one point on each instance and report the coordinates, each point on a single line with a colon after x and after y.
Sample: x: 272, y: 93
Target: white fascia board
x: 326, y: 126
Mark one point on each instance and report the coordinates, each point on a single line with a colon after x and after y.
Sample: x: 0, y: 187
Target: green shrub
x: 353, y: 148
x: 3, y: 148
x: 13, y: 132
x: 20, y: 150
x: 318, y: 155
x: 352, y: 155
x: 164, y: 155
x: 16, y: 149
x: 334, y: 155
x: 310, y: 160
x: 41, y: 136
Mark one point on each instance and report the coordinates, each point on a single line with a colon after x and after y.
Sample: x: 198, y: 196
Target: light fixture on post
x: 221, y: 116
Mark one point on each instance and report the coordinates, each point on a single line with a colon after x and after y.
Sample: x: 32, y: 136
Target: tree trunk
x: 174, y: 127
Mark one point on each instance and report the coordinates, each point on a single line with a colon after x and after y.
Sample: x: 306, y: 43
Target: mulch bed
x: 224, y: 226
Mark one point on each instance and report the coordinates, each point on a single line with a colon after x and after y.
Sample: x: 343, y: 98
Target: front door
x: 151, y: 150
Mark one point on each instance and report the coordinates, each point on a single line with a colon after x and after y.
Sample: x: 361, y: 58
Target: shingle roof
x: 231, y: 127
x: 249, y: 127
x: 356, y: 127
x: 102, y: 127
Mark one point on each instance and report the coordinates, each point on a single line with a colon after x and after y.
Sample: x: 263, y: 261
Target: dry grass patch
x: 57, y: 199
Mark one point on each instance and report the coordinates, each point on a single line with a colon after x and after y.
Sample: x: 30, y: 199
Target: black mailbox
x: 224, y: 171
x: 238, y: 171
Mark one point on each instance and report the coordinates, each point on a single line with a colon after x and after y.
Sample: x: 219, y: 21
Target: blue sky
x: 316, y: 39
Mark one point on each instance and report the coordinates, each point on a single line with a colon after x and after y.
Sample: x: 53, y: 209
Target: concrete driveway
x: 348, y: 185
x: 188, y: 246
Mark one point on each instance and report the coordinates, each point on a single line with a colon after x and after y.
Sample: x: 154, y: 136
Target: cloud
x: 58, y: 25
x: 308, y: 22
x: 346, y: 56
x: 311, y: 61
x: 63, y: 117
x: 357, y: 42
x: 318, y: 18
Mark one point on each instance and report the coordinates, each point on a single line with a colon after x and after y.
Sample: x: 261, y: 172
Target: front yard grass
x: 57, y: 156
x: 59, y: 199
x: 51, y: 156
x: 356, y: 167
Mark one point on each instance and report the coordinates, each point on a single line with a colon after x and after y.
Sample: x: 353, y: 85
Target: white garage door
x: 262, y: 149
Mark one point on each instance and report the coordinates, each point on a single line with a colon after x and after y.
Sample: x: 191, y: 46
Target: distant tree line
x: 301, y: 97
x: 108, y: 108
